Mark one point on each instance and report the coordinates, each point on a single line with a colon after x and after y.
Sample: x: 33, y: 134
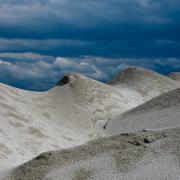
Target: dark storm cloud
x: 64, y: 36
x: 74, y: 48
x: 125, y: 28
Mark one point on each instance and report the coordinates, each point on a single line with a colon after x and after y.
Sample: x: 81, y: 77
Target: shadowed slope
x: 140, y: 85
x: 143, y: 155
x: 175, y: 76
x: 160, y: 112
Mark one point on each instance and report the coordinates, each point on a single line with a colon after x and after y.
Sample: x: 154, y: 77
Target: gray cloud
x: 78, y: 11
x: 50, y: 15
x: 96, y: 38
x: 73, y: 48
x: 34, y: 44
x: 38, y: 72
x: 26, y: 56
x: 110, y: 28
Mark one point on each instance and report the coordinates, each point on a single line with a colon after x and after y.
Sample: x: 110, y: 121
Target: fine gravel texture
x: 160, y: 112
x: 141, y: 85
x: 68, y: 115
x: 80, y: 109
x: 175, y: 76
x: 143, y: 155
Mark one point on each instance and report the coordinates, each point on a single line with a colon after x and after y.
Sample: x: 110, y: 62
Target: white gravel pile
x: 65, y: 116
x: 141, y: 85
x: 80, y: 109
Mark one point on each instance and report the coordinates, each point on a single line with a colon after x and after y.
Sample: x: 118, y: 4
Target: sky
x: 42, y: 40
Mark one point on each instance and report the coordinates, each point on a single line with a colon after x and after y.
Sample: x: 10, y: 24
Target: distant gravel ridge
x: 175, y: 76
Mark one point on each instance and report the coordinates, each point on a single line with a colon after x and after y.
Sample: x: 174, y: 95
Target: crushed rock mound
x: 142, y: 155
x: 70, y: 114
x: 160, y: 112
x: 77, y: 110
x: 141, y: 85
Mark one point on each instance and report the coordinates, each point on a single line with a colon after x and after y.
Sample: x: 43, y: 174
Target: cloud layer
x: 97, y: 38
x: 113, y: 28
x: 39, y: 72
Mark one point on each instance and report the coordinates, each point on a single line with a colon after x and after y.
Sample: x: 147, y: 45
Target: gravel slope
x: 141, y: 85
x: 143, y: 155
x: 67, y: 115
x: 160, y: 112
x: 80, y: 109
